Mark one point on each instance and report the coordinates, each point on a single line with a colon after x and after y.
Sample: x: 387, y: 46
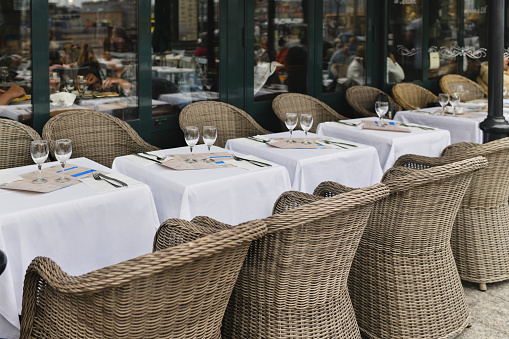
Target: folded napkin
x: 7, y: 176
x: 62, y: 99
x: 388, y: 126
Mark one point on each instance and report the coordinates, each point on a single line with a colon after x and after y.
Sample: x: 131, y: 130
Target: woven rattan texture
x: 471, y: 89
x: 362, y: 99
x: 15, y: 139
x: 301, y: 103
x: 480, y: 238
x: 403, y: 282
x: 231, y: 122
x: 178, y: 292
x: 95, y: 135
x: 411, y: 96
x: 483, y: 85
x: 293, y: 282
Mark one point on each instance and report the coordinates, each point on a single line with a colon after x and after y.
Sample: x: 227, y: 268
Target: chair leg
x: 482, y: 287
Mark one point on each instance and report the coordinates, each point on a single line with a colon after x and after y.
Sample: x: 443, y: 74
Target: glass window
x: 281, y: 48
x: 185, y: 53
x: 15, y: 61
x: 93, y: 56
x: 344, y: 44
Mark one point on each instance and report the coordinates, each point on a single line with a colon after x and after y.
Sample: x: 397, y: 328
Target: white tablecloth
x: 390, y: 145
x: 231, y: 195
x: 78, y: 227
x: 354, y: 167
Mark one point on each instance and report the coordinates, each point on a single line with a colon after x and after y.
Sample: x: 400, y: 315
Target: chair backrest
x: 362, y: 99
x: 178, y: 292
x: 483, y: 85
x: 295, y: 276
x: 231, y: 122
x: 471, y: 90
x: 15, y: 139
x: 302, y: 103
x: 95, y: 135
x: 201, y: 64
x: 411, y: 96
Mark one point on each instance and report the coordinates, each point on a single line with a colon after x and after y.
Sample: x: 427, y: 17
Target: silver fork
x: 154, y: 155
x: 98, y: 177
x: 254, y: 162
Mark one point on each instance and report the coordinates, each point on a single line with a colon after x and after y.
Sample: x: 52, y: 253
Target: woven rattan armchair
x: 302, y: 103
x: 411, y: 96
x: 471, y: 89
x: 404, y: 282
x: 15, y: 139
x: 178, y: 292
x: 231, y: 122
x: 362, y: 99
x: 293, y: 282
x: 480, y: 238
x: 95, y: 135
x: 483, y: 85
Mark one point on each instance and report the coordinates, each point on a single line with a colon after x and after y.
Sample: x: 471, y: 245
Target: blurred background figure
x: 201, y: 49
x: 395, y: 72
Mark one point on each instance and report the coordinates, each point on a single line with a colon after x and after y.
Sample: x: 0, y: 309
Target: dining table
x: 82, y: 227
x: 352, y: 164
x: 390, y: 144
x: 230, y: 193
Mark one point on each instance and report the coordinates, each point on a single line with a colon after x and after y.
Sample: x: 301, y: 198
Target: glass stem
x: 209, y: 151
x: 39, y: 167
x: 191, y: 154
x: 63, y: 166
x: 291, y: 135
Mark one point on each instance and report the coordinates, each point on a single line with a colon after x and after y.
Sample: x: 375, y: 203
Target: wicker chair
x: 293, y: 282
x: 471, y: 90
x: 301, y: 103
x: 362, y: 99
x: 15, y: 139
x: 95, y: 135
x: 231, y: 122
x: 411, y: 96
x: 483, y: 85
x: 480, y: 238
x: 404, y: 282
x: 178, y: 292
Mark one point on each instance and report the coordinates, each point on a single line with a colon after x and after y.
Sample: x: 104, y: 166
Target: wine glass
x: 282, y: 75
x: 82, y: 86
x: 458, y: 91
x: 209, y: 138
x: 54, y: 82
x: 192, y: 134
x: 69, y: 85
x: 63, y: 151
x: 39, y: 150
x: 306, y: 121
x: 443, y: 100
x: 381, y: 108
x: 4, y: 73
x: 291, y: 123
x: 454, y: 100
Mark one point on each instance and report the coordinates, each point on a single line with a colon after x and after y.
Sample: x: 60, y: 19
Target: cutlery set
x: 426, y: 128
x: 158, y: 160
x: 254, y: 162
x: 353, y: 124
x: 257, y: 139
x: 112, y: 181
x: 338, y: 143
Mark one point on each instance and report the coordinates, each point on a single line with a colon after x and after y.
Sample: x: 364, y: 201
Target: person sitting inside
x: 13, y: 92
x: 394, y: 71
x: 340, y: 56
x: 355, y: 69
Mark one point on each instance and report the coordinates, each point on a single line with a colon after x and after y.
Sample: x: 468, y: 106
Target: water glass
x: 209, y: 138
x: 39, y: 150
x: 306, y: 122
x: 54, y: 82
x: 443, y: 100
x: 191, y: 134
x: 381, y: 108
x: 63, y: 151
x: 291, y: 122
x: 454, y: 100
x: 69, y: 85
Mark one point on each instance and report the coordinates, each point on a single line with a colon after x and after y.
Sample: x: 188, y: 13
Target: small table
x: 390, y: 145
x: 355, y: 166
x: 78, y: 227
x: 231, y: 195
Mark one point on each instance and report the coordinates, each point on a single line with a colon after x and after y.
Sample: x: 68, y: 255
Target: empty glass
x: 291, y: 122
x: 69, y: 85
x: 39, y: 150
x: 443, y: 100
x: 454, y: 100
x: 306, y: 122
x: 4, y: 73
x: 209, y: 138
x: 63, y: 151
x: 191, y: 134
x: 381, y: 108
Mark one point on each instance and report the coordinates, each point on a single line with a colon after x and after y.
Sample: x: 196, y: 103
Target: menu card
x: 51, y: 174
x: 389, y: 126
x: 178, y: 161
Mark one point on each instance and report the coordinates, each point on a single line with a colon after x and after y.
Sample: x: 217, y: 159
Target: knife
x: 113, y: 179
x: 141, y: 156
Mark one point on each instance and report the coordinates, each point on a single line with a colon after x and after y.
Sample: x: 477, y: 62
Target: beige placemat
x: 178, y: 161
x: 388, y: 126
x: 74, y: 173
x: 469, y: 114
x: 298, y: 144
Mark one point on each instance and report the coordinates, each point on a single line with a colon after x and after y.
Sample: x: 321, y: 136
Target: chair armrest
x: 420, y: 161
x: 330, y: 188
x: 292, y: 199
x: 458, y: 148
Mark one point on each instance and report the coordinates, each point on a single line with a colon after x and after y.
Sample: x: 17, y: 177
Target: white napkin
x: 7, y: 176
x: 247, y: 165
x: 104, y: 186
x: 62, y: 99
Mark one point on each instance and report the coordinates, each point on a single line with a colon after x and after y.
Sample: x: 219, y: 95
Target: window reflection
x: 93, y: 56
x: 344, y: 44
x: 185, y: 59
x: 15, y: 61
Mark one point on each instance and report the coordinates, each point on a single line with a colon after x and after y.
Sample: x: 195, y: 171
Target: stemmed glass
x: 69, y: 85
x: 443, y: 100
x: 209, y: 138
x: 192, y: 134
x: 63, y: 151
x: 306, y: 121
x: 282, y: 75
x: 82, y: 86
x: 454, y: 100
x: 54, y: 81
x: 4, y: 73
x: 458, y: 91
x: 39, y: 150
x: 291, y: 123
x: 381, y: 108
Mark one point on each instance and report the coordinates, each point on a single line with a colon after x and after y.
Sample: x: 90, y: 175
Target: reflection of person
x: 484, y: 72
x: 120, y: 41
x: 355, y: 69
x: 13, y: 92
x: 414, y: 39
x: 201, y: 50
x: 341, y: 56
x: 394, y: 71
x: 89, y: 66
x: 125, y: 81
